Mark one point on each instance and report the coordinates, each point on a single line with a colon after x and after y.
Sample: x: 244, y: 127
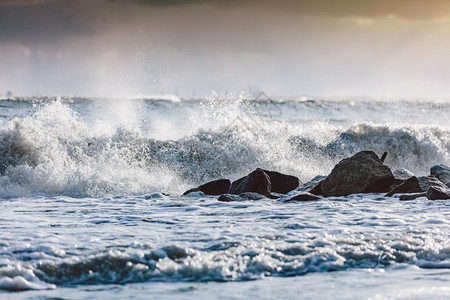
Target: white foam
x: 21, y: 279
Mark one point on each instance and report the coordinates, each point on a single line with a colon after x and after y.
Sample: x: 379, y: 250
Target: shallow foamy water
x: 355, y: 247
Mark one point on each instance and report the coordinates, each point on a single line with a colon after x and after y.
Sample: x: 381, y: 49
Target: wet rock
x: 438, y: 193
x: 313, y: 186
x: 282, y: 183
x: 214, y: 188
x: 300, y: 196
x: 317, y: 190
x: 229, y: 198
x: 412, y: 185
x: 428, y: 181
x: 241, y: 197
x: 441, y: 172
x: 400, y: 175
x: 412, y: 196
x: 364, y: 172
x: 257, y: 181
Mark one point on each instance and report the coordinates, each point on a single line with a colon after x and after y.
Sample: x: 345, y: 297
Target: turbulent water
x: 90, y: 203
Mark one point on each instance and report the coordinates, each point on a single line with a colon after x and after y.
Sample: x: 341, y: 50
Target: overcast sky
x: 318, y: 48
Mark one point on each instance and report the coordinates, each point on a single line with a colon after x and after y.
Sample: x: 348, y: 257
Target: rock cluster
x: 363, y: 172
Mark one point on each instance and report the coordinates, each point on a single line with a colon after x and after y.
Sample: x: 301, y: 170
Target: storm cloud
x: 35, y: 21
x: 380, y: 48
x: 334, y: 8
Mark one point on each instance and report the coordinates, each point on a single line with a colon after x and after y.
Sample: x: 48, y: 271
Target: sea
x: 91, y: 203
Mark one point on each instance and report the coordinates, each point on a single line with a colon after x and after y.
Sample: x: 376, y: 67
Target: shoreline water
x: 83, y: 205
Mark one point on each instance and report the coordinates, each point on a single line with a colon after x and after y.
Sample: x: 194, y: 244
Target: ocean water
x: 91, y: 205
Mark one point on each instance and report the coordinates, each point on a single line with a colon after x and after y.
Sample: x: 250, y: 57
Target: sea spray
x: 112, y: 147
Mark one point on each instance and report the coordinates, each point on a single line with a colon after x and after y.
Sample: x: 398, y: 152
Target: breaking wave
x: 225, y: 261
x: 124, y: 148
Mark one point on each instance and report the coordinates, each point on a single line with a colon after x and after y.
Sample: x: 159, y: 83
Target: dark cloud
x: 414, y: 9
x: 23, y: 2
x: 41, y: 23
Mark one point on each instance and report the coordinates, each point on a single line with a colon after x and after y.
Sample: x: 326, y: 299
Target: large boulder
x: 257, y: 181
x: 364, y: 172
x: 438, y: 192
x: 282, y: 183
x: 441, y: 172
x: 214, y: 188
x: 412, y: 185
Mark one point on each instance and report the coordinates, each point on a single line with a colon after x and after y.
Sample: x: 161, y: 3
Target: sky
x: 384, y: 49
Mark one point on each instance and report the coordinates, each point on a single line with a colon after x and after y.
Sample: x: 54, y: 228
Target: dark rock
x: 300, y: 196
x: 241, y: 197
x: 317, y: 190
x: 412, y: 185
x: 214, y: 188
x: 257, y: 181
x: 281, y: 183
x: 412, y: 196
x: 438, y: 193
x: 441, y: 172
x: 229, y: 198
x: 312, y: 186
x: 364, y: 172
x: 400, y: 175
x: 383, y: 157
x: 428, y: 181
x: 252, y: 196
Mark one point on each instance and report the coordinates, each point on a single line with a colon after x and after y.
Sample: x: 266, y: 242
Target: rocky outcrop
x: 412, y: 185
x: 438, y: 193
x: 257, y: 181
x: 282, y: 183
x: 240, y: 197
x: 441, y: 172
x: 214, y: 188
x: 300, y: 196
x: 364, y: 172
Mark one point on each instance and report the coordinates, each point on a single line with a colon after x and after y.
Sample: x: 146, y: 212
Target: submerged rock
x: 257, y: 181
x: 282, y: 183
x: 412, y: 196
x: 438, y: 193
x: 241, y: 197
x: 412, y: 185
x: 214, y: 188
x: 300, y: 196
x: 441, y: 172
x: 364, y: 172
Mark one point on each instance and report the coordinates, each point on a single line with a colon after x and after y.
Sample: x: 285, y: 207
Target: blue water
x: 91, y: 203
